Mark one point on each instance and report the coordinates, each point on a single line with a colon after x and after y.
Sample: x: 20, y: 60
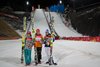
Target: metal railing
x: 50, y: 26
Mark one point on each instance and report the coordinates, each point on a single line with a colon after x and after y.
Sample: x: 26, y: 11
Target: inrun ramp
x: 40, y: 21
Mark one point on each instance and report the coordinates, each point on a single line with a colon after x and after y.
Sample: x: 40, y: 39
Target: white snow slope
x: 66, y: 53
x: 61, y: 29
x: 40, y: 21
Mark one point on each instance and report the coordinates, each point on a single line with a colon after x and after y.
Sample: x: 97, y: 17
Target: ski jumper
x: 27, y: 49
x: 48, y: 41
x: 38, y: 41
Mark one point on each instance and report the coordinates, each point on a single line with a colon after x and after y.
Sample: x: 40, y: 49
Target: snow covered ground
x: 66, y: 53
x: 77, y: 53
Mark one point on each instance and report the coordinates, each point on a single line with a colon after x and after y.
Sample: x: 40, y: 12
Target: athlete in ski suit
x: 28, y: 48
x: 48, y: 41
x: 38, y: 41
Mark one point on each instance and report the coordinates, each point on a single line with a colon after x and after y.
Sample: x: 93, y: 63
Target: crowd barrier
x: 95, y: 39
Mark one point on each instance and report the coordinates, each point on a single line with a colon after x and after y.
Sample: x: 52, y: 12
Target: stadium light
x: 27, y: 2
x: 60, y: 1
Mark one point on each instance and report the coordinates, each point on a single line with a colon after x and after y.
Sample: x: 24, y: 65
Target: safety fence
x: 94, y: 39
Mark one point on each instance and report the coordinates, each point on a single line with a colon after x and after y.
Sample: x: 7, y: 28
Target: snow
x: 65, y: 52
x: 40, y: 21
x: 10, y: 53
x: 61, y: 29
x: 77, y: 53
x: 19, y: 12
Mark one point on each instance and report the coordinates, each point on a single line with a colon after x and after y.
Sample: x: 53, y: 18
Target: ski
x: 24, y: 24
x: 32, y: 21
x: 22, y: 59
x: 51, y: 61
x: 36, y: 56
x: 23, y: 39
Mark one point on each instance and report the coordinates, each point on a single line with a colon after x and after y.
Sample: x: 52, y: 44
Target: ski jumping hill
x: 40, y: 21
x: 61, y: 29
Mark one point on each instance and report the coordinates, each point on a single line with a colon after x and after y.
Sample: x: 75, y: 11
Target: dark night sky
x: 20, y: 4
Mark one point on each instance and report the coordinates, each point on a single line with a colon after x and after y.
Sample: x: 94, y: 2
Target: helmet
x: 28, y: 32
x: 37, y: 30
x: 47, y: 31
